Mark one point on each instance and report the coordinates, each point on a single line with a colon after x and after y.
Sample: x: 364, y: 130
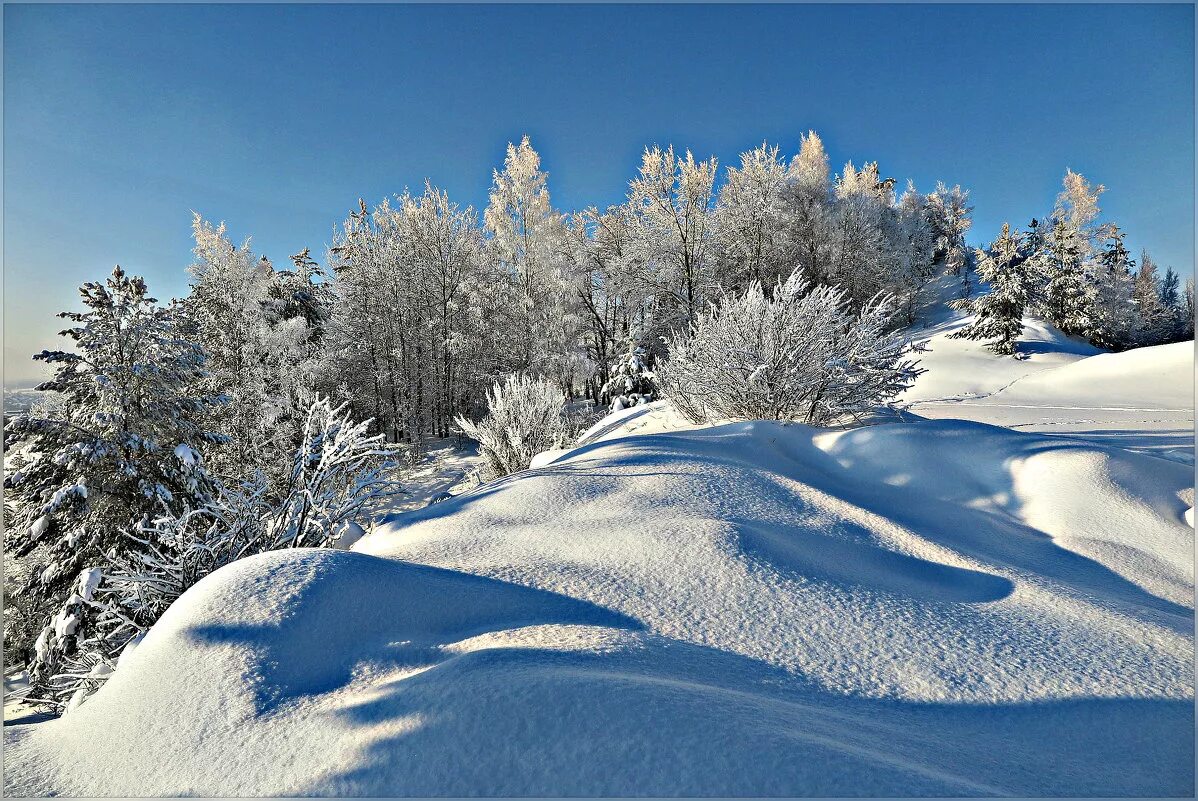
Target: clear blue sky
x: 120, y: 119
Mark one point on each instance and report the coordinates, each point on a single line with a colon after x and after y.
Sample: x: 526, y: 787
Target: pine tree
x: 123, y: 445
x: 1154, y: 323
x: 1064, y: 301
x: 1000, y: 313
x: 1112, y: 315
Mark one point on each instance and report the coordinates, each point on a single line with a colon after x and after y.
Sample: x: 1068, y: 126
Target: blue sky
x: 118, y: 120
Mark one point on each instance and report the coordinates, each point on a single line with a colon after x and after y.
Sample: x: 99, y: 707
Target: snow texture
x: 927, y: 608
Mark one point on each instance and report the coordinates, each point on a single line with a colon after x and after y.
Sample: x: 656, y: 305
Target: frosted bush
x: 339, y: 479
x: 801, y: 355
x: 524, y: 417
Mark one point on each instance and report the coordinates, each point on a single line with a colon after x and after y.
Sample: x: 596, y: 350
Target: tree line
x: 267, y: 408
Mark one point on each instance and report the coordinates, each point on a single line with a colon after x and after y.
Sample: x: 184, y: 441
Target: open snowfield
x: 928, y: 607
x: 1141, y: 399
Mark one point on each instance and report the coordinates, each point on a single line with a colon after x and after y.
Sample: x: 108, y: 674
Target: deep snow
x: 1141, y: 399
x: 940, y: 607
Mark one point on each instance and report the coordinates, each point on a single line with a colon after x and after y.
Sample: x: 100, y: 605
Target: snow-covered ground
x: 923, y: 607
x: 1141, y: 399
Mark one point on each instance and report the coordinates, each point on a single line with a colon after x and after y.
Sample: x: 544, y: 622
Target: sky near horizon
x: 121, y: 119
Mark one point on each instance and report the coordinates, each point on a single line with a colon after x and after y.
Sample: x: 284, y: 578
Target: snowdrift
x: 1159, y: 377
x: 935, y: 608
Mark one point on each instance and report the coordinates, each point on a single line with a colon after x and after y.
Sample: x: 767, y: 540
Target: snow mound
x: 937, y: 608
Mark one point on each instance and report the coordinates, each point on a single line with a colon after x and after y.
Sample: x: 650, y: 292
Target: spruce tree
x: 122, y: 445
x: 1064, y: 300
x: 1171, y: 301
x: 632, y: 382
x: 1112, y: 316
x: 1000, y: 313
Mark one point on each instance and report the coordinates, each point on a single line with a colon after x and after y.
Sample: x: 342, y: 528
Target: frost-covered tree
x: 529, y: 237
x: 263, y: 330
x: 1112, y: 311
x: 674, y: 232
x: 949, y: 211
x: 1077, y: 209
x: 525, y: 416
x: 802, y: 354
x: 810, y: 209
x: 420, y: 315
x: 917, y: 256
x: 866, y: 240
x: 753, y: 218
x: 339, y: 480
x: 632, y: 381
x: 123, y: 443
x: 999, y: 314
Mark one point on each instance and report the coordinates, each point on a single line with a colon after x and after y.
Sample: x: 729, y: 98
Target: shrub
x: 524, y: 417
x: 801, y: 355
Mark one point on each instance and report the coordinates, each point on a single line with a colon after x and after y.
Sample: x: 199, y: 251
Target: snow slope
x: 964, y: 368
x: 933, y: 608
x: 1142, y: 399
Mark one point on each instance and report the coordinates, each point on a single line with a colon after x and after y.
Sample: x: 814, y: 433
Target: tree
x: 1155, y: 323
x: 810, y: 209
x: 632, y: 382
x: 1172, y: 302
x: 950, y: 218
x: 752, y: 216
x: 263, y: 331
x: 670, y: 203
x: 866, y: 241
x: 801, y: 355
x: 917, y: 262
x: 529, y: 238
x: 1112, y: 315
x: 1077, y: 209
x: 999, y: 314
x: 123, y: 445
x: 1064, y: 301
x: 1187, y: 329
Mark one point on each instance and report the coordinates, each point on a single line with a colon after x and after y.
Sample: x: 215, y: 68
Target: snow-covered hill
x: 933, y: 608
x: 1141, y: 399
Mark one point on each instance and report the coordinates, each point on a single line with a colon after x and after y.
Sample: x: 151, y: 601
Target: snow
x: 186, y: 454
x: 89, y: 579
x: 964, y: 368
x: 1142, y: 399
x: 937, y: 607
